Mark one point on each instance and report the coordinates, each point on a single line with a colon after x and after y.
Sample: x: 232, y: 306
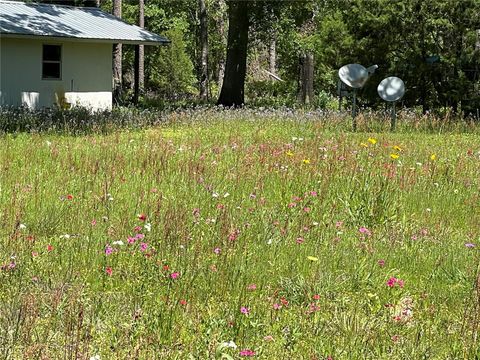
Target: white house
x: 53, y: 54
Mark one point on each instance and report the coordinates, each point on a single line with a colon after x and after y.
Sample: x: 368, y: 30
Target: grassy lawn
x: 229, y: 239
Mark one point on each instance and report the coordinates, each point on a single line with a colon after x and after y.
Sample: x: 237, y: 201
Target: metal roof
x: 19, y: 19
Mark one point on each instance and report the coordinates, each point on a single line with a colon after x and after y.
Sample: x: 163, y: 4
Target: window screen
x: 52, y: 62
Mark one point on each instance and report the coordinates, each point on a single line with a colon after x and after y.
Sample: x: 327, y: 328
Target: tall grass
x: 227, y: 234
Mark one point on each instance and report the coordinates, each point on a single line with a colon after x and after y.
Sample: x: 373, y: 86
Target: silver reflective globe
x: 391, y: 89
x: 354, y: 75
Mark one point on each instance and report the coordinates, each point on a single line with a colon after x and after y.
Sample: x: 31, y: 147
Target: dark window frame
x: 59, y: 62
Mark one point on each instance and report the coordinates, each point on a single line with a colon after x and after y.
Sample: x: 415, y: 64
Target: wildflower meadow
x: 219, y: 236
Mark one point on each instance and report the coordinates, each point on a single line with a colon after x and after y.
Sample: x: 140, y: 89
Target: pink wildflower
x: 394, y: 281
x: 245, y: 310
x: 137, y: 229
x: 381, y: 263
x: 365, y: 231
x: 252, y: 287
x: 277, y: 306
x: 143, y: 246
x: 247, y: 353
x: 174, y: 275
x: 217, y: 250
x: 234, y: 235
x: 142, y: 217
x: 109, y: 271
x: 108, y: 250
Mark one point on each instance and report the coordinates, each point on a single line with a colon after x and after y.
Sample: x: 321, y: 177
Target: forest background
x: 287, y: 53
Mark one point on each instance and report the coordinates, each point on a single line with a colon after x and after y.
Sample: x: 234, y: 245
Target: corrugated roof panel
x: 22, y: 19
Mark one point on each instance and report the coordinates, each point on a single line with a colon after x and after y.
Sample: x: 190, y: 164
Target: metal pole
x: 354, y: 110
x: 394, y: 116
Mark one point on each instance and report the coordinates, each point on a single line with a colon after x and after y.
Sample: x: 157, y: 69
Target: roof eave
x: 89, y: 40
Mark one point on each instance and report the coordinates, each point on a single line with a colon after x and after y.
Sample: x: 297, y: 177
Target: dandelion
x: 433, y: 157
x: 396, y: 148
x: 306, y: 161
x: 394, y: 156
x: 289, y: 153
x: 372, y: 141
x: 245, y: 310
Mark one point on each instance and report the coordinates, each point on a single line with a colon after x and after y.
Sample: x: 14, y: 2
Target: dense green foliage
x: 434, y: 45
x: 287, y: 237
x: 431, y: 44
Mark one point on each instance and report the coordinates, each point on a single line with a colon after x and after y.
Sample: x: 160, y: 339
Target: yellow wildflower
x: 312, y: 258
x: 364, y: 145
x: 372, y: 141
x: 433, y: 157
x: 306, y: 161
x: 397, y: 148
x: 289, y: 153
x: 394, y: 156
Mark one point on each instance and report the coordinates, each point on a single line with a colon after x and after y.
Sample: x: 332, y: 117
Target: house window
x: 52, y: 62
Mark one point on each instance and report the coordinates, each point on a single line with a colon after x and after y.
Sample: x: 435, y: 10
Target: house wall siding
x: 86, y: 78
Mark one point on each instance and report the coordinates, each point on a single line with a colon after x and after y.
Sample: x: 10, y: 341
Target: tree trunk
x: 141, y: 48
x: 136, y: 75
x: 477, y: 45
x: 223, y: 39
x: 306, y: 73
x: 233, y: 92
x: 272, y: 55
x: 117, y: 58
x: 203, y: 50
